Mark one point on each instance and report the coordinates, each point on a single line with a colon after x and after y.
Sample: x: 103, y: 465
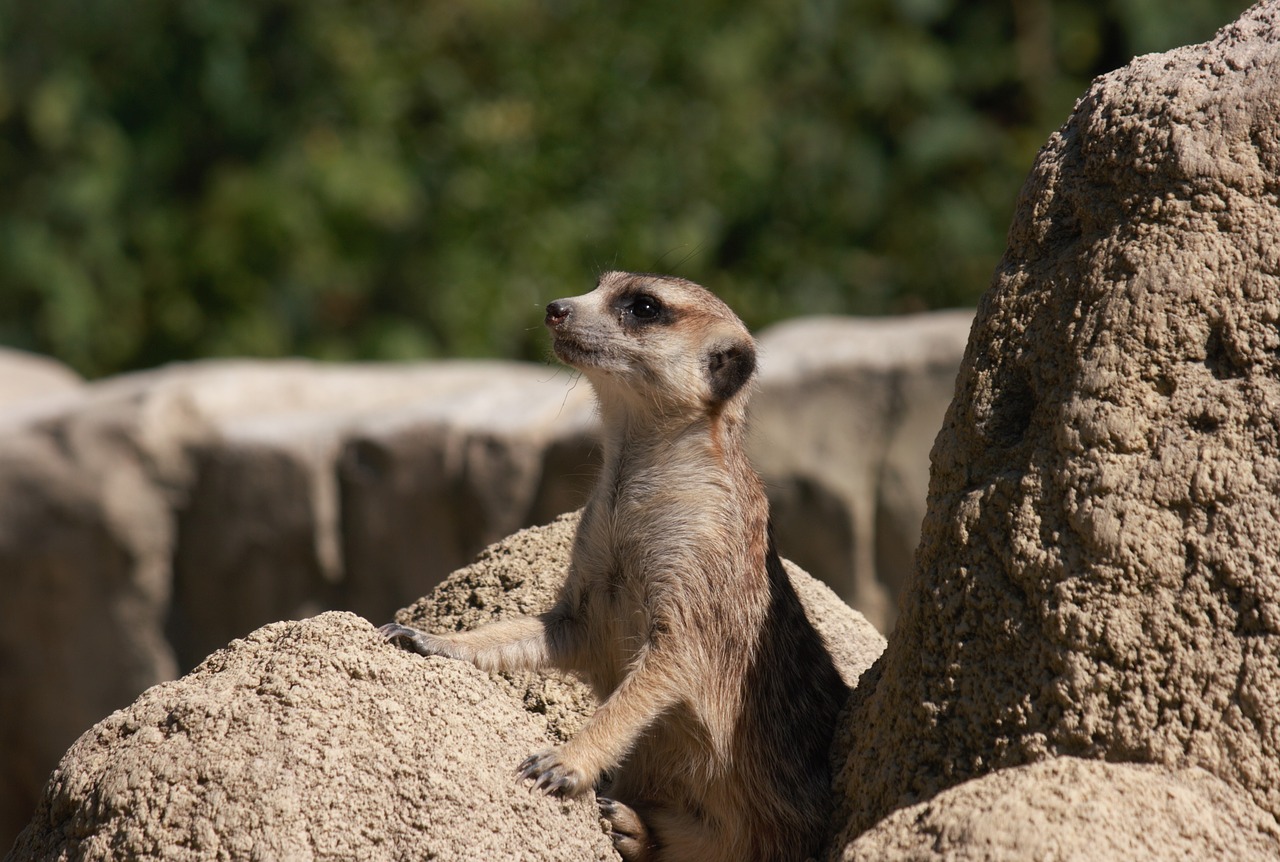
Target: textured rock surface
x: 846, y: 411
x: 311, y: 740
x: 148, y: 519
x: 85, y: 539
x: 346, y: 485
x: 317, y: 740
x: 425, y: 487
x: 1068, y: 809
x: 1097, y: 574
x: 522, y: 575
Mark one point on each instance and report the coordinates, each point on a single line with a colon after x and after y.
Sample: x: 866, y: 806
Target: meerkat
x: 718, y: 698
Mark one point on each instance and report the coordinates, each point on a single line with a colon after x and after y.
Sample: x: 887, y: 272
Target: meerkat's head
x: 656, y: 343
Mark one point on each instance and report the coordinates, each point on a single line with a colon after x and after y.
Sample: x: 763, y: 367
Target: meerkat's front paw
x: 553, y: 773
x: 422, y: 643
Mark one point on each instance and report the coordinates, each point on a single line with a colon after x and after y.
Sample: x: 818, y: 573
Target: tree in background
x: 390, y: 179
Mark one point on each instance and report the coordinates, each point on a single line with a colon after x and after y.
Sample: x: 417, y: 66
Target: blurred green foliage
x: 387, y: 179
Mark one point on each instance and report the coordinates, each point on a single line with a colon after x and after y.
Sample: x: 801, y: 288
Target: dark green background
x: 387, y: 179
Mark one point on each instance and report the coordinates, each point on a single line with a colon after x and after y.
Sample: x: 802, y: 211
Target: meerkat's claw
x: 398, y: 634
x: 528, y: 770
x: 551, y: 775
x: 415, y: 641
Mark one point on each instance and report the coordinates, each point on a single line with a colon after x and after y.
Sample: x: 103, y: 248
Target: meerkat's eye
x: 645, y: 307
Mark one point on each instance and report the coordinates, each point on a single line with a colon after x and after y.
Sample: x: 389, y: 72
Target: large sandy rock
x: 147, y: 519
x: 311, y: 740
x: 319, y: 740
x: 72, y: 647
x: 1097, y: 574
x: 1071, y: 810
x: 840, y: 430
x: 85, y: 544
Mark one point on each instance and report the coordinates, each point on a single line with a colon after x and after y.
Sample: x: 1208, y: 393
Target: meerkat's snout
x: 558, y: 312
x: 570, y: 343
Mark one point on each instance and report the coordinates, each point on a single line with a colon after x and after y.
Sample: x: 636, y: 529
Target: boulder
x: 354, y: 486
x: 25, y: 376
x: 310, y: 740
x: 147, y: 519
x: 1070, y: 809
x: 317, y: 739
x: 423, y: 488
x: 840, y: 431
x: 85, y: 544
x: 1097, y: 572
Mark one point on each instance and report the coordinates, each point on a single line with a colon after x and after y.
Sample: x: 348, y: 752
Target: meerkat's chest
x: 651, y: 520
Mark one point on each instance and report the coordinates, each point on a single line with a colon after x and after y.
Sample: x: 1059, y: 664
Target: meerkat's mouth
x: 571, y: 351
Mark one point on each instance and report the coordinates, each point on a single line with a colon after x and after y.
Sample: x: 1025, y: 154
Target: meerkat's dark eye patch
x: 643, y: 308
x: 729, y: 368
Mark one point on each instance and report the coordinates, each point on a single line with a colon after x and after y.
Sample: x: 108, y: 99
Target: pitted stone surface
x: 1070, y: 809
x: 1098, y: 573
x: 318, y: 740
x: 311, y: 740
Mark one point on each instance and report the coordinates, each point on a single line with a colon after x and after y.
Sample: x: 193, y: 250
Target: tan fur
x: 718, y: 698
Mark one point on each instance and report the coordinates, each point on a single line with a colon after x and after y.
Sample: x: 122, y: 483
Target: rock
x: 25, y: 376
x: 522, y: 575
x: 388, y: 754
x: 147, y: 519
x: 1069, y: 809
x: 354, y: 486
x: 841, y: 427
x: 1096, y: 576
x: 425, y: 487
x: 311, y: 740
x: 76, y: 641
x: 85, y: 543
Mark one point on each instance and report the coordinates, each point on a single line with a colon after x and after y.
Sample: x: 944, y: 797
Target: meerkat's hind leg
x: 677, y: 834
x: 630, y: 835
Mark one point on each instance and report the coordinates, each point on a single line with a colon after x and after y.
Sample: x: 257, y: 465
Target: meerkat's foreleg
x: 650, y: 689
x: 520, y: 643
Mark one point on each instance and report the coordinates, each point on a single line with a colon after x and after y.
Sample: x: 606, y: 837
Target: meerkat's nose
x: 558, y: 312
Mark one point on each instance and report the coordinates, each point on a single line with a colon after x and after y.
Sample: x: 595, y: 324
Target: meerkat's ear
x: 729, y: 367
